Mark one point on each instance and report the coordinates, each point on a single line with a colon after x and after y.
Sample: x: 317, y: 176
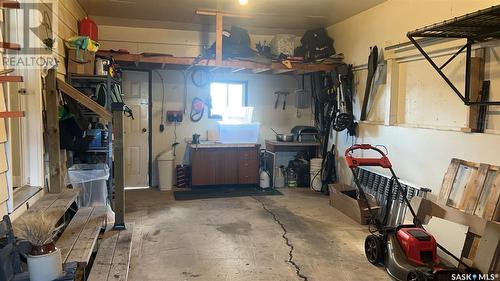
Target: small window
x: 225, y: 95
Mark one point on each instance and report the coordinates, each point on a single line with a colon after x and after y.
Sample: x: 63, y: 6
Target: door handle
x: 144, y: 130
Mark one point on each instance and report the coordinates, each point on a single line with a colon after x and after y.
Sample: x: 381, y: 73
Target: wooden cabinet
x: 225, y: 165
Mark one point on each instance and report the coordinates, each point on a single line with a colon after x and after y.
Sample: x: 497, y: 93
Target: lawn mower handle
x: 354, y: 162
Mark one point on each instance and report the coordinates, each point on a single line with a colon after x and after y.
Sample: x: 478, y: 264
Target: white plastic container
x: 238, y: 115
x: 45, y: 267
x: 315, y: 173
x: 91, y: 179
x: 166, y: 170
x: 232, y: 132
x: 283, y: 44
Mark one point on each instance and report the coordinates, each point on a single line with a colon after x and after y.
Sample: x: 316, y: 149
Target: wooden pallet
x: 80, y: 236
x: 53, y: 206
x: 113, y: 257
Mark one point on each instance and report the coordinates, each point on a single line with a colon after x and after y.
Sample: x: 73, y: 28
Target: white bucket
x: 315, y: 168
x: 45, y: 267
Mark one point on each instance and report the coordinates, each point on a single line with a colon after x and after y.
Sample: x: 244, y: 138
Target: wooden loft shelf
x: 164, y: 62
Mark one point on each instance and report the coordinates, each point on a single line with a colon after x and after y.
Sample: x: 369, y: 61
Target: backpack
x: 316, y: 44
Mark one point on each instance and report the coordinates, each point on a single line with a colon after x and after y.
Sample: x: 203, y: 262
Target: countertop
x: 294, y: 143
x: 211, y: 144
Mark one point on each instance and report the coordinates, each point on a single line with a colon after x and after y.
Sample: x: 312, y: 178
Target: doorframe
x: 150, y: 119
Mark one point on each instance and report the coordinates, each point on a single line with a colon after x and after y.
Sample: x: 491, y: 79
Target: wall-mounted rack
x: 480, y: 26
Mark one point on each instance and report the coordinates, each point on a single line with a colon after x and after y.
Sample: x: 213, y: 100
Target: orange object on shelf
x: 87, y: 27
x: 12, y: 114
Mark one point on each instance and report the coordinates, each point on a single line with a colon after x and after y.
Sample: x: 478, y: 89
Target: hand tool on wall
x: 278, y: 96
x: 372, y: 67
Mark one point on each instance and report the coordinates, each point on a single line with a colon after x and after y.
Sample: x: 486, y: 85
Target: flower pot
x: 45, y: 267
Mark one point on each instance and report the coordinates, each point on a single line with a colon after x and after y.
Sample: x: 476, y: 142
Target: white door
x: 136, y: 132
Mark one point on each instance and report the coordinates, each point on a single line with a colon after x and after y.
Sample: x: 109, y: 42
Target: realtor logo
x: 32, y: 26
x: 474, y: 277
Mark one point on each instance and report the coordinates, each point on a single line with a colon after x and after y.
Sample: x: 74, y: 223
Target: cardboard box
x: 342, y: 198
x: 81, y: 62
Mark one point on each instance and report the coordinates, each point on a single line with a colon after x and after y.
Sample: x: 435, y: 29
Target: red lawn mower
x: 408, y: 252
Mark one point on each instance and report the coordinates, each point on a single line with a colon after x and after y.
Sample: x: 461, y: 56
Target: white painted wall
x: 420, y: 155
x: 261, y: 90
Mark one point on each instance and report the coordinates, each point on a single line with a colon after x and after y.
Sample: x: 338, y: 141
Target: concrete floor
x: 237, y: 239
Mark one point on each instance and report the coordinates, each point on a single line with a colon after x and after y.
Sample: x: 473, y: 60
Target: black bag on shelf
x: 316, y: 44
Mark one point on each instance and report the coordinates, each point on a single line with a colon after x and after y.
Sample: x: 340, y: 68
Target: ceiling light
x: 243, y: 2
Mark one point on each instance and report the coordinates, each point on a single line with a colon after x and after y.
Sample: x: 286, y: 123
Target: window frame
x: 245, y: 95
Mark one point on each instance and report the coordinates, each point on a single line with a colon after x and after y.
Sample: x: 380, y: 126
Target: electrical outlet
x: 174, y: 116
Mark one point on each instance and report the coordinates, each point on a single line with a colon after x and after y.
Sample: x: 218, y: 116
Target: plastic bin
x: 91, y: 179
x: 230, y: 132
x: 283, y: 44
x: 166, y: 170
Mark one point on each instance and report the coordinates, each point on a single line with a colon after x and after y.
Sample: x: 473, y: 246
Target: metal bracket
x: 479, y: 26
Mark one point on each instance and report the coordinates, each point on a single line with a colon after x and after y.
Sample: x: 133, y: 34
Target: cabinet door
x: 248, y: 166
x: 226, y: 166
x: 203, y: 165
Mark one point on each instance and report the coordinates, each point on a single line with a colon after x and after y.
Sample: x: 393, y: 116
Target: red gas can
x: 418, y: 245
x: 87, y: 27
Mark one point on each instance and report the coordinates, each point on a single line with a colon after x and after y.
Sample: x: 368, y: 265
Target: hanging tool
x: 279, y: 94
x: 162, y: 115
x: 372, y: 68
x: 343, y: 118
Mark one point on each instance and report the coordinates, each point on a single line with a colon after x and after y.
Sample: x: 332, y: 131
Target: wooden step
x: 112, y: 261
x: 53, y: 205
x: 80, y: 236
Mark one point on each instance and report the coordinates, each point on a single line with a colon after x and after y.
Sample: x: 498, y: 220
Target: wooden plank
x: 121, y: 259
x: 473, y: 191
x: 57, y: 210
x: 488, y: 251
x: 104, y: 258
x: 52, y: 119
x: 82, y: 249
x: 426, y: 208
x: 211, y: 12
x: 476, y: 85
x: 492, y: 208
x: 11, y: 78
x: 12, y: 114
x: 4, y: 193
x: 282, y: 71
x: 157, y: 62
x: 448, y: 180
x: 119, y: 168
x: 52, y: 205
x: 10, y: 46
x: 84, y: 100
x: 218, y: 37
x: 3, y: 160
x: 72, y: 231
x: 260, y: 70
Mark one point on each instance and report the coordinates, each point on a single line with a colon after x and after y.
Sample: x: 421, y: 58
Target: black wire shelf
x: 476, y: 27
